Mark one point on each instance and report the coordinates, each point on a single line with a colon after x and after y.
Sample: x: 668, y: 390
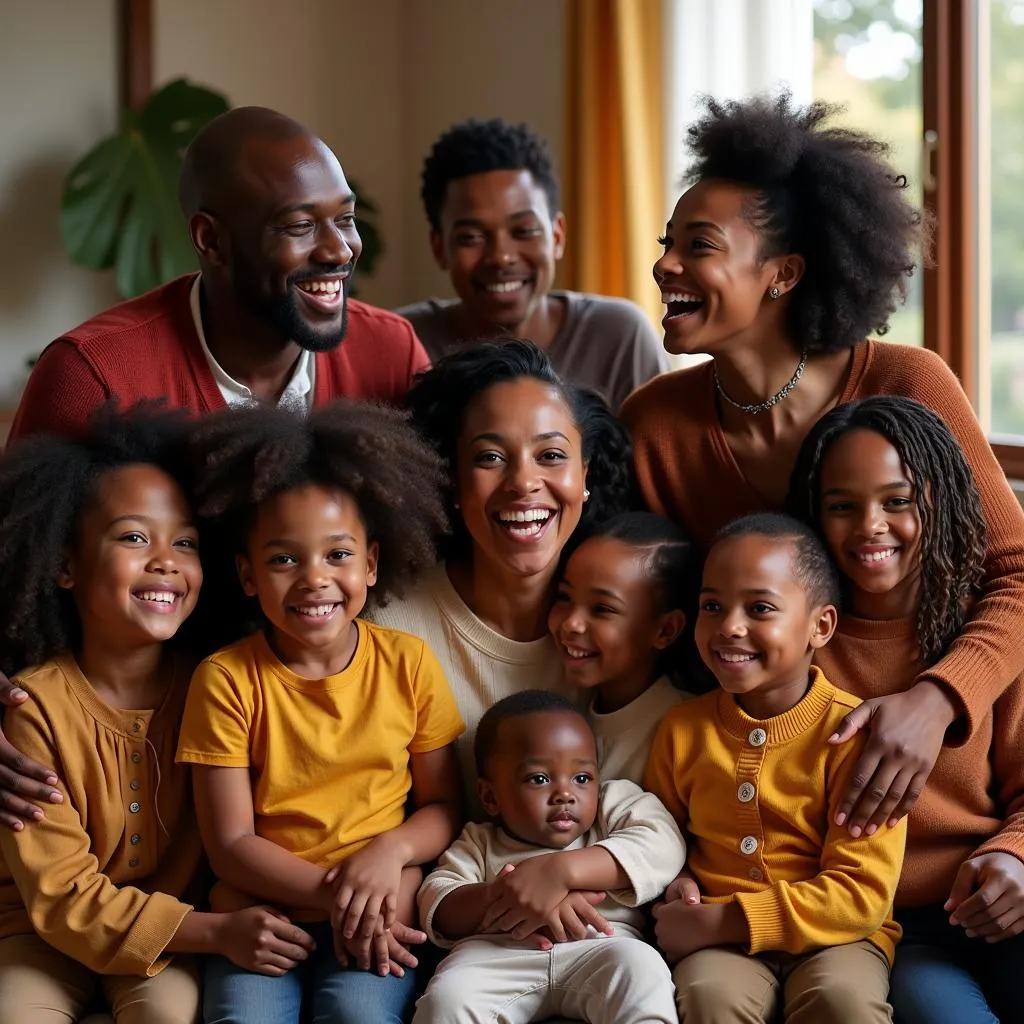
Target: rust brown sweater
x: 687, y: 472
x: 974, y: 800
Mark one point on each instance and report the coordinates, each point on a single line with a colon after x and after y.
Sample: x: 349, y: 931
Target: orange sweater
x: 687, y: 472
x: 974, y: 800
x: 758, y: 798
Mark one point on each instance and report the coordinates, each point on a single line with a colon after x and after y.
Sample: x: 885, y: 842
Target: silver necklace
x: 753, y: 410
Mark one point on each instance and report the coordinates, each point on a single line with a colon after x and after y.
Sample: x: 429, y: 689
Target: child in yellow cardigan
x: 98, y: 570
x: 796, y: 910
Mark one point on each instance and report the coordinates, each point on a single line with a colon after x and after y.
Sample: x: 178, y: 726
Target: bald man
x: 268, y: 317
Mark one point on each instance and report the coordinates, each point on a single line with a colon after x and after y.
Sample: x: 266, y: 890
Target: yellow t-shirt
x: 329, y: 758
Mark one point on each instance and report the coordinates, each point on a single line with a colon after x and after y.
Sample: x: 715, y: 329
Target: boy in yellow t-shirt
x: 309, y: 737
x: 792, y: 902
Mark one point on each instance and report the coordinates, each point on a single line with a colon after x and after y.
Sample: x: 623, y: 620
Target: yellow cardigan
x: 103, y: 877
x: 758, y: 799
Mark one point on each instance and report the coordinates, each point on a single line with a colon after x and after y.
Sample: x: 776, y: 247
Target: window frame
x: 952, y: 282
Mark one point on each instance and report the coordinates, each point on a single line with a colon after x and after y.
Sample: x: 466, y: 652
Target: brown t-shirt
x: 604, y: 343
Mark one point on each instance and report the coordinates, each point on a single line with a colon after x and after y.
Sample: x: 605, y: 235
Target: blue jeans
x: 941, y: 976
x: 319, y: 991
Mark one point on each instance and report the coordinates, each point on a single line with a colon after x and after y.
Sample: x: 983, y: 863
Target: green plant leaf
x: 373, y: 244
x: 120, y: 202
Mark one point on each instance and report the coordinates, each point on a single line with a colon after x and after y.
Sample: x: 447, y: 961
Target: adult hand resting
x: 24, y: 783
x: 906, y: 733
x: 987, y: 898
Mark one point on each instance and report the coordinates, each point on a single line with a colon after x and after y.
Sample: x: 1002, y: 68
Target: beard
x: 282, y: 312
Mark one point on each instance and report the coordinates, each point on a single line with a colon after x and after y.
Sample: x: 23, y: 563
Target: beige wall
x: 472, y: 58
x: 58, y: 83
x: 378, y: 79
x: 331, y: 64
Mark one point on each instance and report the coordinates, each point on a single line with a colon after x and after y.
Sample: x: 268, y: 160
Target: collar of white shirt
x: 298, y: 392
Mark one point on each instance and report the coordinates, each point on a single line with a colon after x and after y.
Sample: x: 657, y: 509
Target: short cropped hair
x: 515, y: 705
x: 812, y: 567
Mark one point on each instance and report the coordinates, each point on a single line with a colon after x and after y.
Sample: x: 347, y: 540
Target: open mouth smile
x: 578, y: 653
x: 505, y: 290
x: 681, y: 304
x: 870, y: 558
x: 320, y: 611
x: 325, y: 294
x: 160, y: 601
x: 526, y: 524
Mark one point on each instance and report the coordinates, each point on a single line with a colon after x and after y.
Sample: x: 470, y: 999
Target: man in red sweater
x: 268, y: 318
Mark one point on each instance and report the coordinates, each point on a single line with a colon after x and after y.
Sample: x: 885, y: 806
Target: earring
x: 586, y: 495
x: 774, y: 293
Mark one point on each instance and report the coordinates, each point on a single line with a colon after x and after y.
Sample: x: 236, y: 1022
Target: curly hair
x: 46, y: 485
x: 441, y: 396
x: 812, y: 567
x: 249, y: 454
x: 826, y: 193
x: 953, y: 529
x: 475, y: 147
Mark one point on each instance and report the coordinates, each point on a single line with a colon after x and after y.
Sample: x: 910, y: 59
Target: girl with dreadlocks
x: 889, y: 489
x: 99, y: 569
x: 311, y: 736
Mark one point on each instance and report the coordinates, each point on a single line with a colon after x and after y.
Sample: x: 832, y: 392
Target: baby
x: 515, y: 898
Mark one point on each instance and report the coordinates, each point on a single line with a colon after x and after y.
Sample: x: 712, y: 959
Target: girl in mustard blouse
x: 99, y: 568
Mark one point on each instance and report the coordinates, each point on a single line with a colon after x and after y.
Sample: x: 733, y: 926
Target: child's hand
x: 525, y: 895
x: 907, y: 731
x: 387, y: 954
x: 365, y: 889
x: 987, y: 898
x: 682, y: 887
x: 683, y: 928
x: 263, y: 940
x: 570, y: 918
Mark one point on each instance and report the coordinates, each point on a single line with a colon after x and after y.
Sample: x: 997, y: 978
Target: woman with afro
x: 793, y: 244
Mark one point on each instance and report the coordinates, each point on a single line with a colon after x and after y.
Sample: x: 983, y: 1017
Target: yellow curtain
x: 614, y: 176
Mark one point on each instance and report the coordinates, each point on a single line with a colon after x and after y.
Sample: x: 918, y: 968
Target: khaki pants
x: 40, y: 985
x: 839, y: 985
x: 608, y: 980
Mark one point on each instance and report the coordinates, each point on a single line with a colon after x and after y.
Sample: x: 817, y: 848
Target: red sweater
x: 687, y: 472
x: 148, y: 348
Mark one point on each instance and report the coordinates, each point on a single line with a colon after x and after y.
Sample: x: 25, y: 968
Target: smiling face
x: 608, y: 619
x: 290, y: 242
x: 756, y: 629
x: 520, y: 475
x: 134, y: 571
x: 541, y: 778
x: 309, y: 563
x: 712, y: 275
x: 871, y: 523
x: 499, y: 243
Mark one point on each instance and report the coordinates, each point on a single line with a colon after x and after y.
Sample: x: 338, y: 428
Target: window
x: 1001, y: 213
x: 942, y: 82
x: 867, y: 57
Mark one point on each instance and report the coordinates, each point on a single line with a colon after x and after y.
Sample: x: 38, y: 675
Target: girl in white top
x: 619, y: 613
x: 530, y: 459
